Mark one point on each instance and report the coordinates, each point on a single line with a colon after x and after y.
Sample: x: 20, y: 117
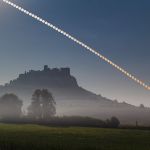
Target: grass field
x: 34, y: 137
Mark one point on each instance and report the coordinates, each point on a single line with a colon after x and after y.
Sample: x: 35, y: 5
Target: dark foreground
x: 34, y: 137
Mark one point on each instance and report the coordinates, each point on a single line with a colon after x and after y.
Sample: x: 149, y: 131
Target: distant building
x: 59, y: 77
x: 46, y: 68
x: 56, y: 71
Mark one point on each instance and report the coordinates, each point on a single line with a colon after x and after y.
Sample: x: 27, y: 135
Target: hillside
x: 59, y: 81
x: 72, y: 99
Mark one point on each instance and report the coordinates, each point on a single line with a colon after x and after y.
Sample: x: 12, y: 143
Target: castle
x: 63, y: 72
x: 56, y: 71
x: 48, y: 76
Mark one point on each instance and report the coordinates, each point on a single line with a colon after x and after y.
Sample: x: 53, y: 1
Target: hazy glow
x: 126, y: 73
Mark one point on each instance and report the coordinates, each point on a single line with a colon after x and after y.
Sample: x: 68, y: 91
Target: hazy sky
x: 119, y: 29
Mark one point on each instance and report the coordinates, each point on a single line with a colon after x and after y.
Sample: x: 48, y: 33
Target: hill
x: 72, y: 99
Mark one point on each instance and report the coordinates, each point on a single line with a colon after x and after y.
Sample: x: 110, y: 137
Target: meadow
x: 36, y: 137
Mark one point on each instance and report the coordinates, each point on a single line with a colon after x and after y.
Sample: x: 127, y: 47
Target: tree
x: 35, y: 109
x: 48, y: 104
x: 42, y: 105
x: 142, y: 106
x: 113, y: 122
x: 10, y: 106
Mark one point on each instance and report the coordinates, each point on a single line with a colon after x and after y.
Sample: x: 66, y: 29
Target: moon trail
x: 126, y: 73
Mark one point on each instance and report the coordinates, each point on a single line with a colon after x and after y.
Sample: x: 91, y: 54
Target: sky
x: 117, y: 29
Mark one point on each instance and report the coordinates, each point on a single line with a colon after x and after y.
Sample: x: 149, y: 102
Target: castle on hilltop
x: 54, y: 72
x: 46, y: 77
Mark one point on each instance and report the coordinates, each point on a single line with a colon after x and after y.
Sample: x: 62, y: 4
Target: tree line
x: 42, y: 106
x: 42, y: 110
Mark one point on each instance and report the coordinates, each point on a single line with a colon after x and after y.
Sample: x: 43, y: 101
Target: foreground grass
x: 34, y: 137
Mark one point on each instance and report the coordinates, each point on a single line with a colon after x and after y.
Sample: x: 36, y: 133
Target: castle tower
x: 46, y: 68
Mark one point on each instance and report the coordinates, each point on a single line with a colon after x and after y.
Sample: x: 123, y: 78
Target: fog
x: 70, y: 98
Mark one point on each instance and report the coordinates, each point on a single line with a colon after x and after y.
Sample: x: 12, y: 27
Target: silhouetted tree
x: 48, y: 104
x: 113, y: 122
x: 42, y: 105
x: 35, y: 109
x: 142, y: 106
x: 10, y: 106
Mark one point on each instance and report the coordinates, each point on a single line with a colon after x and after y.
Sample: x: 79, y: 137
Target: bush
x: 113, y: 122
